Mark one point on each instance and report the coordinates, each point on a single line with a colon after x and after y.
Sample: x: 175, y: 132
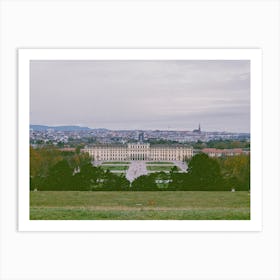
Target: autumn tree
x: 236, y: 170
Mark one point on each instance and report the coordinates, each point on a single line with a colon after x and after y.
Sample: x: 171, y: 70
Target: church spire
x: 197, y: 130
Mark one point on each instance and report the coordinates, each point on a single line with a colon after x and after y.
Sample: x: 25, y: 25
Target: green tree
x: 204, y: 171
x: 113, y: 182
x: 145, y: 183
x: 89, y: 177
x: 60, y: 177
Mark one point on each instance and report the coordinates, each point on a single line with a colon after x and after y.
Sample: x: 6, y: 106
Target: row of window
x: 108, y: 153
x: 135, y: 148
x: 137, y: 151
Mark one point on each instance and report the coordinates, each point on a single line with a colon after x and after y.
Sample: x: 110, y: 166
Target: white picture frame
x: 71, y: 255
x: 253, y: 55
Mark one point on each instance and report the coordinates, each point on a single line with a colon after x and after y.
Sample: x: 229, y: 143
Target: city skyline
x: 142, y: 95
x: 192, y: 130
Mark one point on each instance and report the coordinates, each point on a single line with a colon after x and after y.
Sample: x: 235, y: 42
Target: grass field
x: 159, y: 167
x: 116, y: 205
x: 119, y: 173
x: 115, y: 167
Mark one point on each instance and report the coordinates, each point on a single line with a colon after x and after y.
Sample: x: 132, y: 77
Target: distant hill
x: 57, y: 128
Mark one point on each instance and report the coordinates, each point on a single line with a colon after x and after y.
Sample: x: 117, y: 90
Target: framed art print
x: 140, y: 139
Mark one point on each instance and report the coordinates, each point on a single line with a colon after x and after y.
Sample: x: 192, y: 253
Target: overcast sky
x: 142, y: 94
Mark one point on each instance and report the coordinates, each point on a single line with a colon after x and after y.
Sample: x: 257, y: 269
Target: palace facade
x: 139, y: 151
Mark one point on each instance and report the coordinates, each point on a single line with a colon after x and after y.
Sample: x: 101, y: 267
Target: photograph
x: 140, y: 139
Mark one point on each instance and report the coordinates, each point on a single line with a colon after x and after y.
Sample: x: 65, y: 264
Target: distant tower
x: 141, y: 137
x: 197, y: 130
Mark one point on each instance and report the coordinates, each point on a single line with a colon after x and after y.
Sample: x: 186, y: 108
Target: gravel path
x: 136, y: 169
x: 182, y: 165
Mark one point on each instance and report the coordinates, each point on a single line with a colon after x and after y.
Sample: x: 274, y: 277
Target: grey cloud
x: 142, y: 94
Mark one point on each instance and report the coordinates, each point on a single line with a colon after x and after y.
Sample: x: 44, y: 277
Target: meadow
x: 159, y: 168
x: 140, y: 205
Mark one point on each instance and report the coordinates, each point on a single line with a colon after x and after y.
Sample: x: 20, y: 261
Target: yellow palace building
x: 139, y: 151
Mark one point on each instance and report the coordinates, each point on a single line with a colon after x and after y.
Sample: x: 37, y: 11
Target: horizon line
x: 138, y: 129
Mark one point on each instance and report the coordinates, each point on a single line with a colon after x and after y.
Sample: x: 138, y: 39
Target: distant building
x: 213, y: 152
x: 197, y: 130
x: 141, y: 137
x: 139, y: 151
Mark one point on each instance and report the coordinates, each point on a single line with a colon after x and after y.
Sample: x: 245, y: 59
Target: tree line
x: 55, y: 170
x: 204, y: 174
x: 51, y: 169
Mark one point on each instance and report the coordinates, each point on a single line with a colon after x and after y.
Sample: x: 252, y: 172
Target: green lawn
x: 115, y: 167
x: 158, y: 168
x: 119, y: 173
x: 156, y: 205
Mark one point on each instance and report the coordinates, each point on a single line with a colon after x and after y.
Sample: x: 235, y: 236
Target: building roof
x: 116, y: 145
